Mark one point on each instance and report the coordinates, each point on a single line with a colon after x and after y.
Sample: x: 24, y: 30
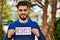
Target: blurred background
x: 45, y: 12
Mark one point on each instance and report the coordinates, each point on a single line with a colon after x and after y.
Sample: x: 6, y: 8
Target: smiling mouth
x: 23, y: 14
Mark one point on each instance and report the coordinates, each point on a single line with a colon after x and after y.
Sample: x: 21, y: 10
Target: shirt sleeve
x: 42, y: 36
x: 6, y: 36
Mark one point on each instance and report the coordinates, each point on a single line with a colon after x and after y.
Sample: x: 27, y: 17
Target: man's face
x: 22, y: 12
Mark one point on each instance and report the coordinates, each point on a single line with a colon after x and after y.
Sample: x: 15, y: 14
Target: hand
x: 35, y: 31
x: 11, y: 32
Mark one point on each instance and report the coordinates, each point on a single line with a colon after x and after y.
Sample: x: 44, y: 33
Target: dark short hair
x: 22, y: 3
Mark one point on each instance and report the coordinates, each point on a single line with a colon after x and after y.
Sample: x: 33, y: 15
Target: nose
x: 23, y: 11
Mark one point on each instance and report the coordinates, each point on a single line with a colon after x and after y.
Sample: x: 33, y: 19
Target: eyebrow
x: 22, y: 9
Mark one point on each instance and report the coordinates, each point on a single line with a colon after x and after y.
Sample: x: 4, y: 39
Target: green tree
x: 57, y: 28
x: 1, y: 28
x: 6, y: 14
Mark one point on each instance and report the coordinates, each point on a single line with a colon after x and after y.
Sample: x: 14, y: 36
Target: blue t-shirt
x: 31, y: 24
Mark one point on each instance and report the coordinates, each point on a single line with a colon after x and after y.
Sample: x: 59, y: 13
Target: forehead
x: 22, y: 7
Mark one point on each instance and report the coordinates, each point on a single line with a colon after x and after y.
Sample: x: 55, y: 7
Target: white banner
x: 23, y: 30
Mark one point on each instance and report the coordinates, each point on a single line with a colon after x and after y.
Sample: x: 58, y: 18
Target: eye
x: 20, y: 10
x: 25, y: 9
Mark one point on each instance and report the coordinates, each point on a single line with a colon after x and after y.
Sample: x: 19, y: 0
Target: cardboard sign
x: 23, y: 30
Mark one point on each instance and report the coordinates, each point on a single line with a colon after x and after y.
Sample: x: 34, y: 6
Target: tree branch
x: 38, y: 4
x: 58, y: 8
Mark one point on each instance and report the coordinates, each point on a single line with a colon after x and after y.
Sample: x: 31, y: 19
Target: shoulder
x: 33, y: 22
x: 13, y: 23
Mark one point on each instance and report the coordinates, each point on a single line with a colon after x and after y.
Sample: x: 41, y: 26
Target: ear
x: 17, y: 10
x: 28, y: 11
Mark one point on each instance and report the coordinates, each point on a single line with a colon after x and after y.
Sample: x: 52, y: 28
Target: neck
x: 23, y: 21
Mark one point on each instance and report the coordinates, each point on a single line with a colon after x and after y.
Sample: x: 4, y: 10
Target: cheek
x: 27, y: 12
x: 19, y: 13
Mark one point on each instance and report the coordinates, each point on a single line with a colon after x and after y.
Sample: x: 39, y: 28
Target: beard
x: 23, y: 16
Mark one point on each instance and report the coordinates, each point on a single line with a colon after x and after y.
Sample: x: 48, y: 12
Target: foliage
x: 2, y: 33
x: 6, y: 11
x: 0, y: 7
x: 57, y: 29
x: 7, y: 15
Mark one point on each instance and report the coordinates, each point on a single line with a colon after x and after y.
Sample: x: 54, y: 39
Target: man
x: 24, y: 21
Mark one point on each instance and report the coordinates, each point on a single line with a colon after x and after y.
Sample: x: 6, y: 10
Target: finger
x: 12, y: 30
x: 34, y: 29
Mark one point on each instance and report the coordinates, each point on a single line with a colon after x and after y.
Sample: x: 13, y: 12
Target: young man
x: 24, y: 22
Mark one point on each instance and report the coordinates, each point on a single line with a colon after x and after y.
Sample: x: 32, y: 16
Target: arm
x: 6, y: 36
x: 37, y: 32
x: 41, y: 37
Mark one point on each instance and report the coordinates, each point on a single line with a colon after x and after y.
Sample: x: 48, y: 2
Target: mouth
x: 23, y: 14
